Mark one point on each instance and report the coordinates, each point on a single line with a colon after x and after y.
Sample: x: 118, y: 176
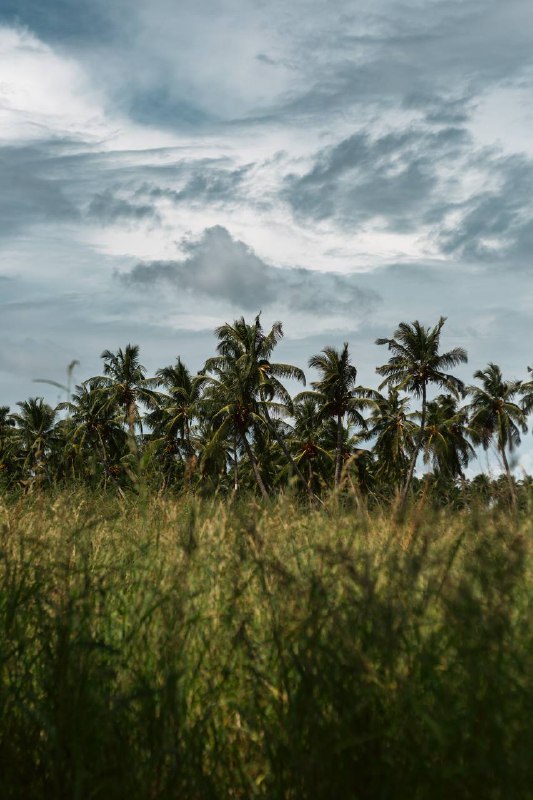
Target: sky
x: 168, y: 166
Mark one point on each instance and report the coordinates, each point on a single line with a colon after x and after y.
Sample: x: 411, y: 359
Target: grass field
x: 187, y: 649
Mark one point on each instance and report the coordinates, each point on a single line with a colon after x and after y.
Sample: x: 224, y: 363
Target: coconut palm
x: 527, y: 391
x: 252, y: 348
x: 307, y: 439
x: 392, y: 428
x: 178, y: 406
x: 447, y: 442
x: 7, y: 423
x: 125, y: 385
x: 229, y: 399
x: 338, y: 395
x: 95, y: 424
x: 35, y: 434
x: 496, y: 417
x: 215, y: 453
x: 7, y: 449
x: 416, y: 364
x: 172, y: 418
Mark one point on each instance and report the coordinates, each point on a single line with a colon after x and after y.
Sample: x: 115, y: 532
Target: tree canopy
x: 234, y: 425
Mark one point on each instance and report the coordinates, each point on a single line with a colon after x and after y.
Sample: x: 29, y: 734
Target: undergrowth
x: 195, y: 649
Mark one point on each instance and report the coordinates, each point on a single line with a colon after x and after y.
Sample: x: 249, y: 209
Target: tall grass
x: 184, y: 649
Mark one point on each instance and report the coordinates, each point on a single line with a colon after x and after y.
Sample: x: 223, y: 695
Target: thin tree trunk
x: 133, y: 471
x: 255, y: 468
x: 288, y: 456
x: 416, y: 451
x: 235, y: 464
x: 187, y: 436
x: 103, y: 456
x: 39, y: 469
x: 130, y: 421
x: 338, y: 458
x: 189, y: 459
x: 508, y: 473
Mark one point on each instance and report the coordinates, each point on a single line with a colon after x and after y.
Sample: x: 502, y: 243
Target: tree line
x: 234, y: 425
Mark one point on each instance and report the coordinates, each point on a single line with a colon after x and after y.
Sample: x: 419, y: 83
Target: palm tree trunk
x: 255, y: 468
x: 189, y: 458
x: 420, y: 439
x: 38, y: 470
x: 235, y: 464
x: 187, y: 430
x: 338, y: 457
x: 512, y: 492
x: 130, y: 421
x: 288, y: 456
x: 103, y: 456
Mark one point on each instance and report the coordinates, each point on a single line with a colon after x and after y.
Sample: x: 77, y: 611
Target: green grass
x: 186, y: 649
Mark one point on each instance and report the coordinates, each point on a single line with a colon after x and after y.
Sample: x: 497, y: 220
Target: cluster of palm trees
x: 235, y: 426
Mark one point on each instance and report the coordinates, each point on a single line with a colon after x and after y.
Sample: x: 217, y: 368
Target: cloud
x: 385, y: 54
x: 440, y: 109
x: 393, y: 177
x: 235, y: 60
x: 496, y: 225
x: 203, y: 181
x: 45, y: 93
x: 58, y: 20
x: 32, y: 190
x: 220, y: 267
x: 108, y: 208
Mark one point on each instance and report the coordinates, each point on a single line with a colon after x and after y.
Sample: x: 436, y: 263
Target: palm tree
x: 215, y: 452
x: 495, y: 416
x: 35, y: 434
x: 527, y: 391
x: 125, y: 385
x: 95, y: 425
x: 230, y: 400
x: 307, y: 437
x: 252, y: 348
x: 338, y: 395
x: 414, y: 365
x: 172, y: 418
x: 447, y: 437
x: 7, y: 424
x: 179, y: 405
x: 392, y: 428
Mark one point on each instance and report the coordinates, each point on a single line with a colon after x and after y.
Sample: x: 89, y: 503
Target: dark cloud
x: 51, y: 180
x: 32, y: 189
x: 393, y: 177
x: 220, y: 267
x: 153, y: 101
x: 196, y: 182
x: 395, y: 52
x: 164, y: 67
x: 203, y: 182
x: 59, y: 20
x: 440, y: 110
x: 108, y: 208
x: 266, y: 59
x: 496, y: 224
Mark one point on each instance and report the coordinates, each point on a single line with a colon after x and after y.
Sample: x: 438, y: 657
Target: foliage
x: 199, y: 649
x: 235, y: 427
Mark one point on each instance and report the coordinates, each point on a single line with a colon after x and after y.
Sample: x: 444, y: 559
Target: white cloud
x: 43, y: 94
x: 121, y: 148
